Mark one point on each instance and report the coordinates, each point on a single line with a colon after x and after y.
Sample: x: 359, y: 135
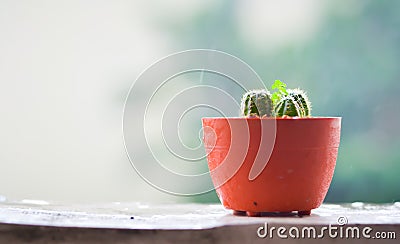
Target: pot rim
x: 274, y: 118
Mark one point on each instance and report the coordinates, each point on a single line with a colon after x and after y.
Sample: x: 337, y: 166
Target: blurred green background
x: 349, y: 62
x: 66, y: 68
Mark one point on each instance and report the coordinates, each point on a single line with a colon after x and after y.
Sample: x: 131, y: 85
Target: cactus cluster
x: 291, y: 102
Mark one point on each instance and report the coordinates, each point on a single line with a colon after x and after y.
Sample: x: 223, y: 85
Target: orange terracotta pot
x: 271, y: 164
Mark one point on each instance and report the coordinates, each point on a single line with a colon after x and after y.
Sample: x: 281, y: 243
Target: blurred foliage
x: 350, y: 68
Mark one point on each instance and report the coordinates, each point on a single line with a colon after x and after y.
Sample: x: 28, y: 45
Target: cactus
x: 283, y: 102
x: 257, y: 103
x: 295, y: 103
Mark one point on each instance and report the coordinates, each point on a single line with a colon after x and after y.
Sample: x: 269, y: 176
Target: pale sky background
x: 65, y: 70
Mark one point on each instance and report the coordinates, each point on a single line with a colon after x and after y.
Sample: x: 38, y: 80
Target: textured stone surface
x: 39, y: 221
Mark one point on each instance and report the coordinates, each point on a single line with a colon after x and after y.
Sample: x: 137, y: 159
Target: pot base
x: 304, y: 213
x: 271, y: 214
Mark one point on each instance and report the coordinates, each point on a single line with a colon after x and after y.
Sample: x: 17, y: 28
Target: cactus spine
x: 257, y: 103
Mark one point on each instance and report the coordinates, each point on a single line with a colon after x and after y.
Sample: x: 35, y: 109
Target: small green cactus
x: 295, y: 103
x: 257, y: 103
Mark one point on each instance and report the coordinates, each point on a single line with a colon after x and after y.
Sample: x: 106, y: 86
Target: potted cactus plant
x: 276, y: 157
